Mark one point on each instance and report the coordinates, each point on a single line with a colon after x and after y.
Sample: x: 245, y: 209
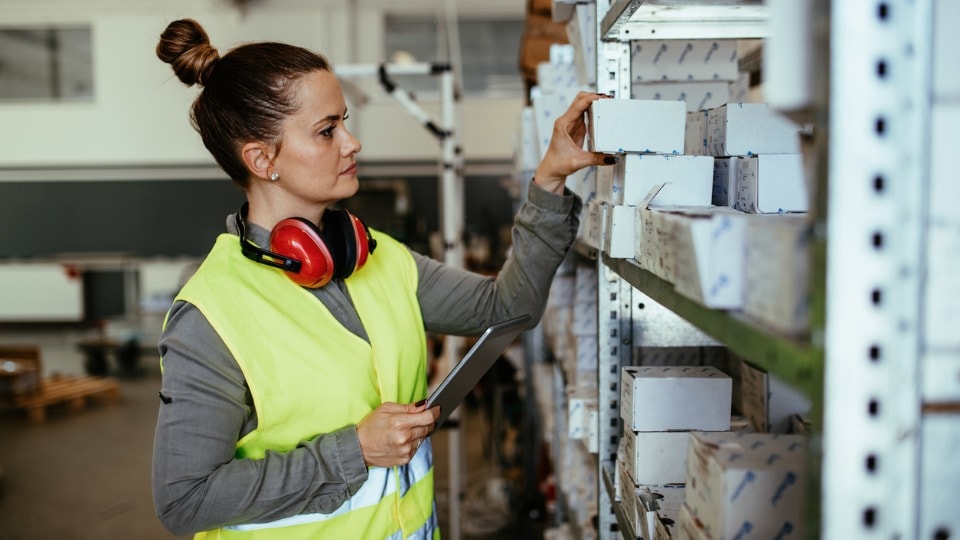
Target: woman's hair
x: 246, y: 93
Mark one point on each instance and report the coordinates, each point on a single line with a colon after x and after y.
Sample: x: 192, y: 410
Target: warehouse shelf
x: 628, y: 20
x: 797, y: 361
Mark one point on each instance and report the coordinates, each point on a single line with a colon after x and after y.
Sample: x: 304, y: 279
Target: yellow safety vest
x: 309, y: 375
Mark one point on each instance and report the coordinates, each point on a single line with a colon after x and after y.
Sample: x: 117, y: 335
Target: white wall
x: 139, y: 115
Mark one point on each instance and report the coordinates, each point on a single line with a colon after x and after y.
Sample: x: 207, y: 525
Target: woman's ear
x: 258, y: 157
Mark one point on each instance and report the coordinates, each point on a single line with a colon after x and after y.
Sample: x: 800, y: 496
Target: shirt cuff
x: 351, y: 458
x: 567, y: 203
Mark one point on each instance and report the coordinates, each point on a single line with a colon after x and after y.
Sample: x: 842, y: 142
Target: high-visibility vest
x: 309, y: 375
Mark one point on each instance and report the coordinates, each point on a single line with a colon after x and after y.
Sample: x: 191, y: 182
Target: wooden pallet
x: 73, y: 391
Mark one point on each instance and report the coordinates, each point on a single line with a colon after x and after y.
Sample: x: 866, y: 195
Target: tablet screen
x: 478, y: 360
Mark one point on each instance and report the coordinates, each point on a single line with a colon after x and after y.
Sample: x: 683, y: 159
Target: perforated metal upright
x: 880, y: 431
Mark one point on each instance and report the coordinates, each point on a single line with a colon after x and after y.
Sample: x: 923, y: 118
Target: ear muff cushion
x: 362, y: 238
x: 299, y: 239
x: 339, y: 233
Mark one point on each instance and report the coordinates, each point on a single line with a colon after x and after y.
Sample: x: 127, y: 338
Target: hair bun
x: 185, y: 46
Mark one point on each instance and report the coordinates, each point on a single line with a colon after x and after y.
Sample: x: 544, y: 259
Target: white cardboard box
x: 583, y: 183
x: 696, y: 95
x: 684, y: 60
x: 591, y: 227
x: 656, y: 457
x: 582, y: 33
x: 708, y: 249
x: 767, y: 401
x: 662, y: 506
x: 695, y: 134
x: 770, y: 184
x: 747, y: 483
x: 745, y: 129
x: 688, y: 180
x: 724, y: 181
x: 660, y: 398
x: 619, y: 234
x: 687, y: 526
x: 777, y: 273
x: 654, y: 243
x: 634, y: 125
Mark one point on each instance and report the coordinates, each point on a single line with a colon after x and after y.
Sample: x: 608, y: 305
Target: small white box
x: 695, y: 134
x: 634, y: 125
x: 696, y: 95
x: 579, y: 401
x: 619, y: 235
x: 684, y: 60
x: 593, y: 428
x: 656, y: 457
x: 629, y: 497
x: 660, y: 398
x: 654, y: 244
x: 725, y: 181
x: 709, y: 246
x: 747, y: 482
x: 767, y: 401
x: 582, y: 34
x: 586, y: 354
x: 746, y: 129
x: 526, y: 151
x: 688, y: 180
x: 605, y: 183
x: 591, y: 227
x: 776, y: 277
x: 662, y: 506
x: 583, y: 183
x: 771, y: 184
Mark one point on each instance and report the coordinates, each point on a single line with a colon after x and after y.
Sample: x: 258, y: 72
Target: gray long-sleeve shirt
x: 198, y: 484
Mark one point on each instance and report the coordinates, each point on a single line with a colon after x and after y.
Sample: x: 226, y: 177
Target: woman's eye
x: 327, y: 132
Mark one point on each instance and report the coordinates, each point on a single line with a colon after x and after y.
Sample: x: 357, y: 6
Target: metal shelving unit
x: 886, y: 401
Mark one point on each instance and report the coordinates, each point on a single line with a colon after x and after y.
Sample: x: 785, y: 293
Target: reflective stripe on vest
x: 381, y: 483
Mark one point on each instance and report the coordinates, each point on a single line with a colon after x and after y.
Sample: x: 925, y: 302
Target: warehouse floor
x: 86, y: 474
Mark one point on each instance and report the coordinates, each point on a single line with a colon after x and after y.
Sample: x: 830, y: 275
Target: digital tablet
x: 478, y: 360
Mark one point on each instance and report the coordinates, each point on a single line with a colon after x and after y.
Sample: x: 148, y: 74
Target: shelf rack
x: 878, y: 363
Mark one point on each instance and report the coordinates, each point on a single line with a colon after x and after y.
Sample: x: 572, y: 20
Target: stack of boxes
x: 660, y: 407
x: 697, y: 72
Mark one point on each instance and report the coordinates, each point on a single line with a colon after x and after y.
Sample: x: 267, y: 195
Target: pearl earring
x: 274, y: 176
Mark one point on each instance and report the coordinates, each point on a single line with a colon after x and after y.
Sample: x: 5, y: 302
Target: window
x: 489, y: 50
x: 46, y: 64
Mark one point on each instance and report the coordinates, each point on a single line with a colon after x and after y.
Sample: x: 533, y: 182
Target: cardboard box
x: 771, y: 184
x: 582, y: 33
x: 591, y: 227
x: 661, y: 398
x: 768, y: 402
x: 684, y: 60
x: 654, y: 243
x: 746, y: 129
x: 697, y: 96
x: 630, y: 498
x: 634, y: 125
x: 747, y: 485
x: 579, y: 401
x: 724, y: 181
x: 695, y: 134
x: 662, y: 505
x: 709, y: 246
x: 688, y: 180
x: 656, y: 457
x: 619, y: 234
x: 777, y: 272
x: 688, y: 526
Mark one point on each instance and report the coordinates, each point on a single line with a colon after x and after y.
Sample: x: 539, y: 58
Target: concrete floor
x: 86, y: 475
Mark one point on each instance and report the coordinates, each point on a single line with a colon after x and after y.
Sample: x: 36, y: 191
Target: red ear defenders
x: 309, y: 255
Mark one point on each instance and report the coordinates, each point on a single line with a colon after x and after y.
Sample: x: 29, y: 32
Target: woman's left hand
x: 566, y: 155
x: 392, y: 433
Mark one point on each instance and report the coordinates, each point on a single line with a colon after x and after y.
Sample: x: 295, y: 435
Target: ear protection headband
x: 309, y: 255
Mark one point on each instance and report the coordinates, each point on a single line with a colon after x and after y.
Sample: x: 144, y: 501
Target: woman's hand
x: 566, y: 155
x: 391, y: 434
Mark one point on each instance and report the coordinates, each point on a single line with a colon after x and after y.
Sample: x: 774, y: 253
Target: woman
x: 292, y: 397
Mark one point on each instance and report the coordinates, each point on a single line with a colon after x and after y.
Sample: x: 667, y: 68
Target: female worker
x: 294, y: 359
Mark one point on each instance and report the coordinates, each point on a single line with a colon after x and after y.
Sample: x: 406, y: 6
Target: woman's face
x: 317, y: 157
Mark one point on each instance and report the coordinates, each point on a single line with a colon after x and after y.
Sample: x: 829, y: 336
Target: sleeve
x: 198, y: 483
x: 458, y: 302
